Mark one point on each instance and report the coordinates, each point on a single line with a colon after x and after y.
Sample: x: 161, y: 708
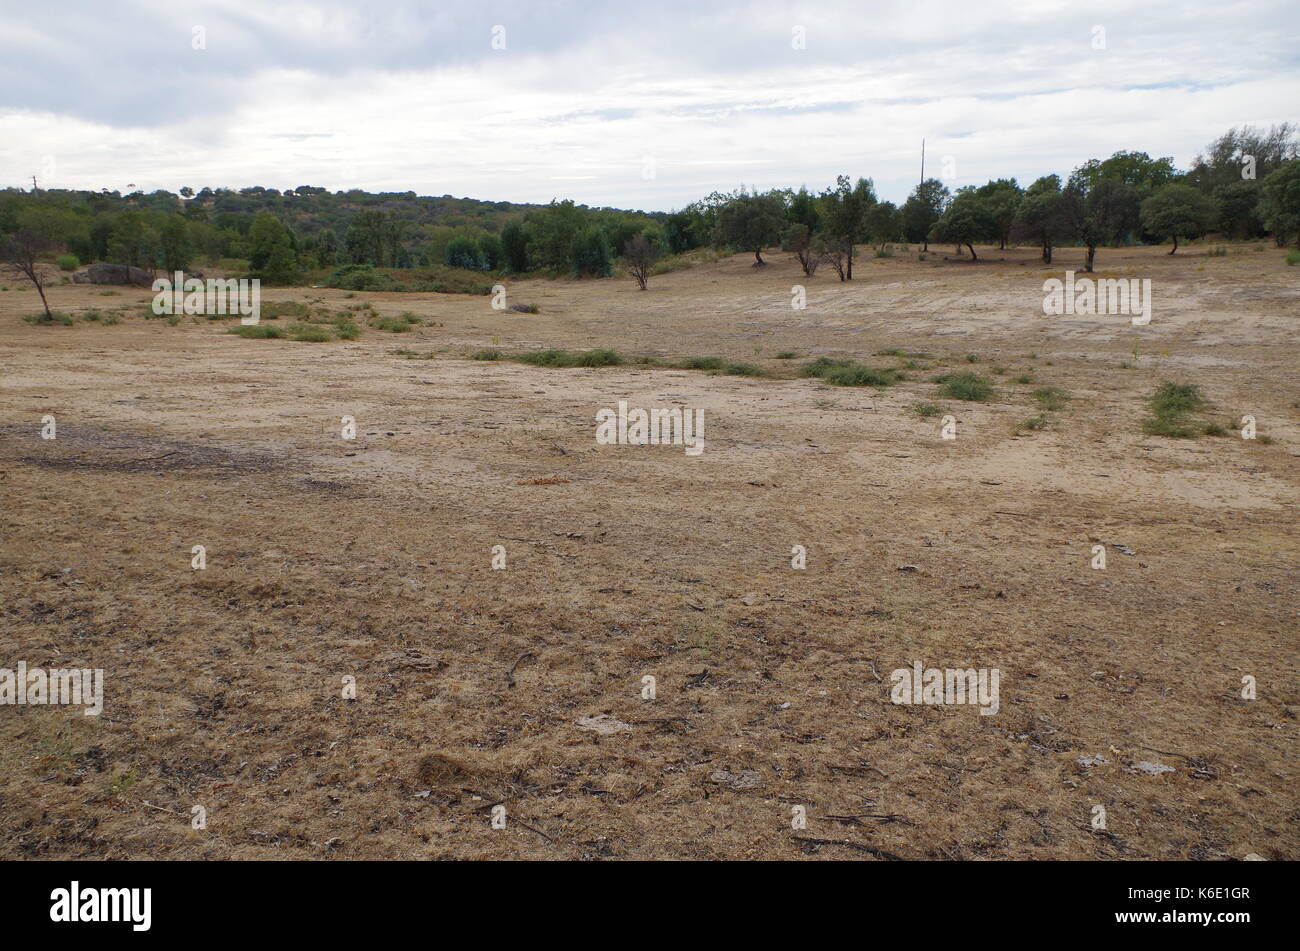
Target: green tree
x: 1099, y: 211
x: 922, y: 211
x: 1280, y: 202
x: 1002, y: 200
x: 1041, y: 215
x: 39, y: 231
x: 967, y: 219
x: 590, y: 253
x: 514, y: 247
x: 751, y: 222
x: 271, y: 256
x: 1178, y: 211
x: 844, y: 210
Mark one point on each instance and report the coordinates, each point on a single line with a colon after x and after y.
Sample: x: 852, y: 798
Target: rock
x: 113, y: 274
x: 1087, y: 762
x: 745, y: 779
x: 907, y: 568
x: 1254, y: 857
x: 603, y: 724
x: 1149, y: 768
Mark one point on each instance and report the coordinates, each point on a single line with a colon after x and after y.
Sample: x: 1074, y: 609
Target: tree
x: 133, y: 241
x: 590, y: 253
x: 551, y: 234
x: 271, y: 256
x: 639, y: 255
x: 922, y: 211
x: 803, y: 210
x: 40, y: 231
x: 1244, y: 150
x: 1137, y: 170
x: 1280, y: 201
x: 751, y: 222
x: 806, y: 247
x: 1099, y: 213
x: 174, y: 246
x: 463, y: 251
x: 844, y: 213
x: 966, y: 220
x: 1041, y: 215
x: 884, y: 223
x: 514, y: 247
x: 1178, y: 211
x: 1001, y: 199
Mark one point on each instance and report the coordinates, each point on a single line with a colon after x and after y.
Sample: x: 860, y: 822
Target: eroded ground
x: 372, y: 558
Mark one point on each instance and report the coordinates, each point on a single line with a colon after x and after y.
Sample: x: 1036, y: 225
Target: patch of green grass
x: 1034, y: 423
x: 571, y: 358
x: 1293, y: 256
x: 257, y: 331
x: 48, y: 320
x: 787, y: 355
x: 396, y: 325
x: 972, y: 358
x: 309, y: 333
x: 273, y: 310
x: 926, y: 410
x: 742, y: 369
x: 1024, y: 378
x: 1172, y: 407
x: 702, y: 363
x: 965, y: 386
x: 849, y: 373
x: 346, y: 328
x: 1051, y: 398
x: 485, y: 355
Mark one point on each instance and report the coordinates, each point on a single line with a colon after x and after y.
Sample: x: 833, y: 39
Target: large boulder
x: 113, y: 274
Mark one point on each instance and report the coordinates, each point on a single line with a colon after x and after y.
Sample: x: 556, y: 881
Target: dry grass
x: 372, y: 559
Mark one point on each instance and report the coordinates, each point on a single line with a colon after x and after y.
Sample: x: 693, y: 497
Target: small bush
x: 48, y: 320
x: 273, y: 310
x: 742, y: 369
x: 486, y: 355
x: 526, y: 308
x: 1172, y: 405
x: 68, y: 262
x: 787, y: 355
x: 702, y: 363
x: 965, y: 386
x: 257, y: 331
x: 858, y: 375
x: 360, y: 277
x: 571, y: 358
x: 1293, y: 256
x: 1051, y: 398
x: 309, y: 333
x: 396, y: 325
x: 1035, y: 422
x: 926, y: 410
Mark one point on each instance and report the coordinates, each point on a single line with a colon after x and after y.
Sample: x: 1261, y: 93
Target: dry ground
x: 372, y: 559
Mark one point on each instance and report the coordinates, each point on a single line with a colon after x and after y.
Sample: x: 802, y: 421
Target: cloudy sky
x: 634, y: 104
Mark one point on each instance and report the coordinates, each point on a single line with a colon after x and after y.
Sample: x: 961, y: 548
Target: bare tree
x: 638, y: 257
x: 38, y: 234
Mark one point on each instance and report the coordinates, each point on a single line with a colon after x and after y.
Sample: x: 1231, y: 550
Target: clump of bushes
x: 571, y: 358
x: 48, y: 320
x: 361, y: 277
x: 68, y: 262
x: 485, y: 355
x: 1173, y: 411
x: 849, y: 373
x: 965, y: 386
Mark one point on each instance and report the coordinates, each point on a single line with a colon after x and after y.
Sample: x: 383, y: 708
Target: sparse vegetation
x: 965, y: 386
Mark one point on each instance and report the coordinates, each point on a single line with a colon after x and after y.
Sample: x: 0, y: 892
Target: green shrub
x: 926, y: 410
x: 1293, y: 256
x: 571, y: 358
x: 1172, y: 406
x: 47, y: 320
x: 702, y: 363
x: 309, y: 333
x: 486, y: 355
x: 68, y: 262
x: 1051, y: 398
x: 965, y: 386
x: 257, y: 331
x: 360, y: 277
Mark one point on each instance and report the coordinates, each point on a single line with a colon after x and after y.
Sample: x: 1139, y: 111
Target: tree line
x: 1246, y: 184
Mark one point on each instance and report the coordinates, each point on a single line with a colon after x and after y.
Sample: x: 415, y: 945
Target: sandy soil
x: 372, y: 559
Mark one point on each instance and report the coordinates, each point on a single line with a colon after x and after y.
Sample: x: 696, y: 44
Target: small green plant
x: 972, y: 358
x: 926, y: 410
x: 309, y: 333
x: 702, y: 363
x: 1034, y: 423
x: 1293, y: 256
x: 849, y: 373
x: 742, y: 369
x: 485, y: 355
x: 67, y: 262
x: 48, y: 320
x: 965, y: 386
x: 787, y: 355
x: 1051, y: 398
x: 571, y: 358
x: 1172, y: 405
x: 1024, y: 378
x: 257, y: 331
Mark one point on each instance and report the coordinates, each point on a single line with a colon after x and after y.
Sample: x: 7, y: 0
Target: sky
x: 646, y: 105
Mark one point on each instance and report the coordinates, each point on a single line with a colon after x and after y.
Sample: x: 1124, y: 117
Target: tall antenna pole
x: 922, y: 161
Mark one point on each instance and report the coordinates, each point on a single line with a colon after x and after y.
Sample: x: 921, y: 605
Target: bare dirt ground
x: 371, y: 559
